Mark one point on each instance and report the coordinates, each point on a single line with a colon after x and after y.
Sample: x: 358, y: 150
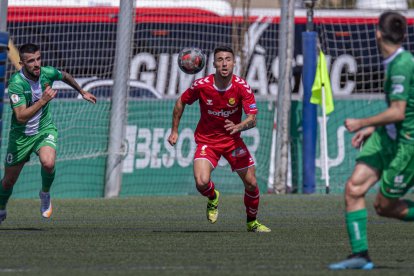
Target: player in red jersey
x: 223, y: 97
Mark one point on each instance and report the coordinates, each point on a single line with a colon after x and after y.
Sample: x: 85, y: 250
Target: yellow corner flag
x: 322, y: 80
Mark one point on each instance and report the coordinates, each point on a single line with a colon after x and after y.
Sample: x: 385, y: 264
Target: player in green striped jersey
x: 32, y: 129
x: 388, y: 154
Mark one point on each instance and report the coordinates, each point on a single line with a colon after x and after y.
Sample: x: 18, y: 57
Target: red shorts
x: 237, y: 155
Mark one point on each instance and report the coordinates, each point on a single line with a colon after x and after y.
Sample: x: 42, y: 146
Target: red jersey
x: 216, y: 106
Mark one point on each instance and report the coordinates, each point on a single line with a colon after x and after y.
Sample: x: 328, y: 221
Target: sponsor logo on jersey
x: 27, y: 92
x: 232, y: 102
x: 14, y: 98
x: 399, y: 182
x: 397, y: 88
x: 203, y: 150
x: 223, y: 113
x: 393, y: 191
x: 252, y: 106
x: 239, y: 152
x: 209, y: 102
x: 398, y: 79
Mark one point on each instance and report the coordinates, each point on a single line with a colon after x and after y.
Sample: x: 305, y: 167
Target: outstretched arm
x: 177, y: 113
x: 68, y: 79
x: 393, y: 114
x: 248, y: 123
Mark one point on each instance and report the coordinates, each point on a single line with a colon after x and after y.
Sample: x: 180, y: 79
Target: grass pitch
x: 171, y: 236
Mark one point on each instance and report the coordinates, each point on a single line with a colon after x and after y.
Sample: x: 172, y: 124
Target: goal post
x: 117, y: 128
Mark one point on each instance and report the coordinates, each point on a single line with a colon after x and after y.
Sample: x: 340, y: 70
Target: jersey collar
x: 392, y: 57
x: 28, y: 80
x: 225, y: 89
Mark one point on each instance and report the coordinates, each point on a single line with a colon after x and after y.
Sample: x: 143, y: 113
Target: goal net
x: 81, y: 40
x: 347, y: 37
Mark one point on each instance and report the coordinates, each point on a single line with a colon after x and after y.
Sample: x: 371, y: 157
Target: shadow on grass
x: 381, y: 267
x: 22, y: 229
x: 195, y: 231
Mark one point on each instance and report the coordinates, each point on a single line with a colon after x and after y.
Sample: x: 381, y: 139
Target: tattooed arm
x: 248, y: 123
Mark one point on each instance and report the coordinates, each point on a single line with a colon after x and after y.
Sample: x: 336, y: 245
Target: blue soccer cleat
x: 45, y: 204
x: 355, y: 261
x: 3, y: 215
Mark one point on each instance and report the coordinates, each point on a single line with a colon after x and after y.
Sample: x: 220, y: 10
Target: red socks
x: 209, y: 192
x: 251, y: 201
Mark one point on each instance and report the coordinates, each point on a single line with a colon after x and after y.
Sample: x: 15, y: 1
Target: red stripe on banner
x: 156, y: 15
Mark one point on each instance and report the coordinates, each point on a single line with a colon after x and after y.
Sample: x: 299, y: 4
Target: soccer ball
x: 191, y: 60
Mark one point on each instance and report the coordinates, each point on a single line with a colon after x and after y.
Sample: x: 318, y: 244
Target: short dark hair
x: 223, y: 48
x: 392, y: 26
x: 28, y: 48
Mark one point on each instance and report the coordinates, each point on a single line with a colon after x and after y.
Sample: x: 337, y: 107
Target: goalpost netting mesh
x: 346, y: 30
x: 82, y: 39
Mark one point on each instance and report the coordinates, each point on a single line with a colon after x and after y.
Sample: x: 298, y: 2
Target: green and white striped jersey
x: 23, y: 91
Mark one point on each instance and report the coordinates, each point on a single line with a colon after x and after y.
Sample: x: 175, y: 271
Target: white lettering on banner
x: 168, y: 79
x: 128, y: 163
x: 346, y: 63
x: 145, y: 146
x: 186, y: 134
x: 254, y: 76
x: 147, y: 61
x: 145, y: 69
x: 340, y: 133
x: 273, y: 87
x: 156, y: 147
x: 162, y: 72
x: 168, y: 159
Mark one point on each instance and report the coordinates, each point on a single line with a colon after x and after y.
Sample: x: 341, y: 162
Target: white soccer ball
x: 191, y: 60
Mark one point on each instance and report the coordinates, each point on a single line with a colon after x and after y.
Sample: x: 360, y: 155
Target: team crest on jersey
x: 9, y: 158
x: 14, y: 98
x: 232, y: 102
x: 50, y: 139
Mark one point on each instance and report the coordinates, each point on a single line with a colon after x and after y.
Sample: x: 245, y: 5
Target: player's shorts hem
x: 207, y: 160
x: 235, y: 170
x: 361, y: 161
x: 389, y: 196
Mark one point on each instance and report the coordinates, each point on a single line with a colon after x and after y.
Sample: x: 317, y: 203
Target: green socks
x: 356, y: 224
x: 410, y: 214
x: 4, y: 196
x: 47, y: 180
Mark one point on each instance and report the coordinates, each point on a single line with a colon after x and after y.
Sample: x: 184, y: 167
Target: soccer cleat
x: 3, y: 215
x: 212, y: 208
x: 255, y: 226
x: 355, y: 261
x: 45, y: 204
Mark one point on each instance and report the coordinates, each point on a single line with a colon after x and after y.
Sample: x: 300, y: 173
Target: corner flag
x: 322, y: 80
